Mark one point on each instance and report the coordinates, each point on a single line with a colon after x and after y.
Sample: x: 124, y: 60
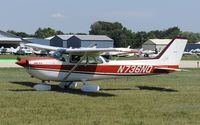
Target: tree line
x: 122, y: 36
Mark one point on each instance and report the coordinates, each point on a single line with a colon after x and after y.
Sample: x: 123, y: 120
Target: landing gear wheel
x: 42, y: 87
x: 90, y: 88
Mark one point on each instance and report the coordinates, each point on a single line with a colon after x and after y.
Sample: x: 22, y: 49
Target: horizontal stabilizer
x: 166, y: 70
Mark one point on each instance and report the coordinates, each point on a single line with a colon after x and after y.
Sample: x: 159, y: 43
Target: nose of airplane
x: 22, y: 62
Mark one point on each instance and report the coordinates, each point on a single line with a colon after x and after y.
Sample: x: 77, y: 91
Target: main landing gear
x: 89, y: 87
x: 85, y: 87
x: 72, y: 85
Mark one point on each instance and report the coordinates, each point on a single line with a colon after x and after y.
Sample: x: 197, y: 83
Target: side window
x: 75, y: 58
x: 99, y: 60
x: 64, y: 57
x: 91, y: 60
x: 84, y: 61
x: 94, y: 60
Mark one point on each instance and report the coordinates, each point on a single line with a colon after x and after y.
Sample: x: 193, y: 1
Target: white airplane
x: 188, y: 53
x: 69, y: 66
x: 148, y: 53
x: 192, y: 52
x: 195, y: 51
x: 3, y: 50
x: 23, y: 49
x: 122, y: 52
x: 40, y: 52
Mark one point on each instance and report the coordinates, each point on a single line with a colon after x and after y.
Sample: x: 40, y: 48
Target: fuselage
x: 51, y: 69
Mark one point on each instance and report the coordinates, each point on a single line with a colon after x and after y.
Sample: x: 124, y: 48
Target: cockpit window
x: 65, y: 57
x: 75, y: 58
x: 91, y: 60
x: 94, y: 60
x: 106, y: 60
x: 86, y: 60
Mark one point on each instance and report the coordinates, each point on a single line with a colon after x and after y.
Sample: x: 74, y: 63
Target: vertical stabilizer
x: 172, y: 53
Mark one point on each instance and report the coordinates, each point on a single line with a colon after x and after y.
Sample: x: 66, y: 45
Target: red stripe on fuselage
x: 116, y: 69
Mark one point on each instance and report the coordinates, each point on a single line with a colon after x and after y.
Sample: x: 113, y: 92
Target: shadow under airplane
x: 56, y: 88
x: 153, y: 88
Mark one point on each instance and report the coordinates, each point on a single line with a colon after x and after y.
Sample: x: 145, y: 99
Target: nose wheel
x: 42, y: 87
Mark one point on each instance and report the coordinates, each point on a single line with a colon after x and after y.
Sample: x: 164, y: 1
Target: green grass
x: 172, y: 99
x: 8, y: 60
x: 10, y: 56
x: 190, y: 57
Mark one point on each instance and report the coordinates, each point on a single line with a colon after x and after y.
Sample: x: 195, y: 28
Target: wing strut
x: 74, y: 67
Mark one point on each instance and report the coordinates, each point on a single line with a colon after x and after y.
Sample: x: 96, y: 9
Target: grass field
x: 190, y: 57
x: 172, y: 99
x: 10, y: 56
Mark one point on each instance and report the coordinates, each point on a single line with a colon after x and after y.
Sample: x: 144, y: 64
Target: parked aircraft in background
x: 68, y: 66
x: 192, y: 52
x: 40, y: 52
x: 2, y: 50
x: 21, y: 50
x: 188, y: 53
x: 122, y: 52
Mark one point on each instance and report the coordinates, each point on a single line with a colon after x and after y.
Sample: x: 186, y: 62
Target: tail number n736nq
x: 135, y: 69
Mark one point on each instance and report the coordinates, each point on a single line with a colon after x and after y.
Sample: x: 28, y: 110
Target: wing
x: 90, y: 51
x: 46, y: 47
x: 77, y: 51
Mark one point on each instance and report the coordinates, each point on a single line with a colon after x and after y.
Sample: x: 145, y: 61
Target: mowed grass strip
x: 14, y: 57
x: 171, y: 99
x: 8, y: 60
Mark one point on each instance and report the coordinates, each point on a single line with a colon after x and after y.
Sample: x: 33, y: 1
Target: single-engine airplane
x: 69, y: 66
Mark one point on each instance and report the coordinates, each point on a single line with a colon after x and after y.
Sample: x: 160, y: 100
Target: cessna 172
x: 68, y: 66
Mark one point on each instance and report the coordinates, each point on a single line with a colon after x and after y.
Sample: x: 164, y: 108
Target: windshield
x: 60, y: 54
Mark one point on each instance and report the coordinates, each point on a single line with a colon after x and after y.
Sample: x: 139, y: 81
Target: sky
x: 77, y: 15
